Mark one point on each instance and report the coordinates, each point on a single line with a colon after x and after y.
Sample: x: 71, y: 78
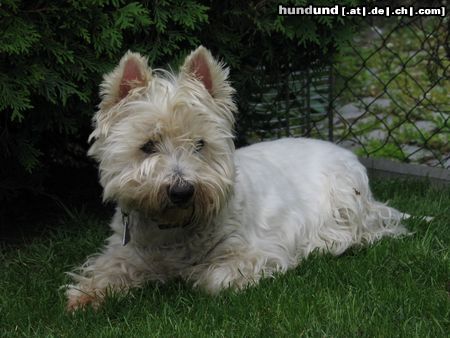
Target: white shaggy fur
x: 254, y: 211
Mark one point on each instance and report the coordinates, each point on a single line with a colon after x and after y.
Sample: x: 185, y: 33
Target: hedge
x: 53, y: 54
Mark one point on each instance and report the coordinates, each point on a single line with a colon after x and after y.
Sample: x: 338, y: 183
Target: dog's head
x: 164, y: 142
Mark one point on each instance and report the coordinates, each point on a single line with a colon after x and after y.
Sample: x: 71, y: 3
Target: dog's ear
x: 132, y: 72
x: 201, y: 65
x: 213, y: 75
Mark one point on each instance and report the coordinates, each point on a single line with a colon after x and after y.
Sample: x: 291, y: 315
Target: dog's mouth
x: 175, y: 217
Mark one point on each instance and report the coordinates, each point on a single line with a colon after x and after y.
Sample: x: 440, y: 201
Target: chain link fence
x: 387, y: 94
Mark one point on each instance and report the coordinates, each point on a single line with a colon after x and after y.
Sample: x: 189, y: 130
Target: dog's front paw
x: 79, y: 299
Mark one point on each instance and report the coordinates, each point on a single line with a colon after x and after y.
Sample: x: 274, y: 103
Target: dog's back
x: 312, y: 193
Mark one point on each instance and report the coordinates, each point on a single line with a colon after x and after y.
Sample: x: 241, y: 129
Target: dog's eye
x: 149, y: 147
x: 199, y: 145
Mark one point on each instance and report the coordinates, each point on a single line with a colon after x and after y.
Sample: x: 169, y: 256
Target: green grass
x: 393, y: 288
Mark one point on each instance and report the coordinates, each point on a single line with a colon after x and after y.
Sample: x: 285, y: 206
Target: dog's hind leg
x: 236, y: 268
x: 233, y: 273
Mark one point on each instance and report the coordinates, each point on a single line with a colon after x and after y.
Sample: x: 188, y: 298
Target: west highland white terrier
x: 190, y: 206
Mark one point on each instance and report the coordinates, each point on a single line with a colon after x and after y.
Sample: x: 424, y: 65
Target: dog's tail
x: 408, y: 216
x: 380, y: 220
x: 357, y: 218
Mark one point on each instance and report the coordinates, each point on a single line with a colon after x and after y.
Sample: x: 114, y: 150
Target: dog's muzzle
x: 180, y: 193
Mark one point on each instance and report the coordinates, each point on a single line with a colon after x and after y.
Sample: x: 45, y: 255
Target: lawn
x: 393, y: 288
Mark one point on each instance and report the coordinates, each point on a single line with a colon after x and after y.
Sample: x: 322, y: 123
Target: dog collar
x: 162, y: 226
x: 126, y: 228
x: 168, y: 226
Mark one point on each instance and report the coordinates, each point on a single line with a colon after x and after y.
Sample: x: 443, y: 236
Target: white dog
x: 188, y: 205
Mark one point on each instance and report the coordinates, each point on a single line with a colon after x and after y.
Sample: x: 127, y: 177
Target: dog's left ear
x: 201, y: 65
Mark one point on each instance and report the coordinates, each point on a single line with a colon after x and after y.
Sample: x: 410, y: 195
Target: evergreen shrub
x: 53, y: 54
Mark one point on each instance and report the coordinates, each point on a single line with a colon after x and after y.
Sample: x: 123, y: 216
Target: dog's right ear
x: 131, y: 73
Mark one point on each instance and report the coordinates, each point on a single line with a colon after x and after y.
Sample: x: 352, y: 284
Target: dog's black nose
x: 180, y: 193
